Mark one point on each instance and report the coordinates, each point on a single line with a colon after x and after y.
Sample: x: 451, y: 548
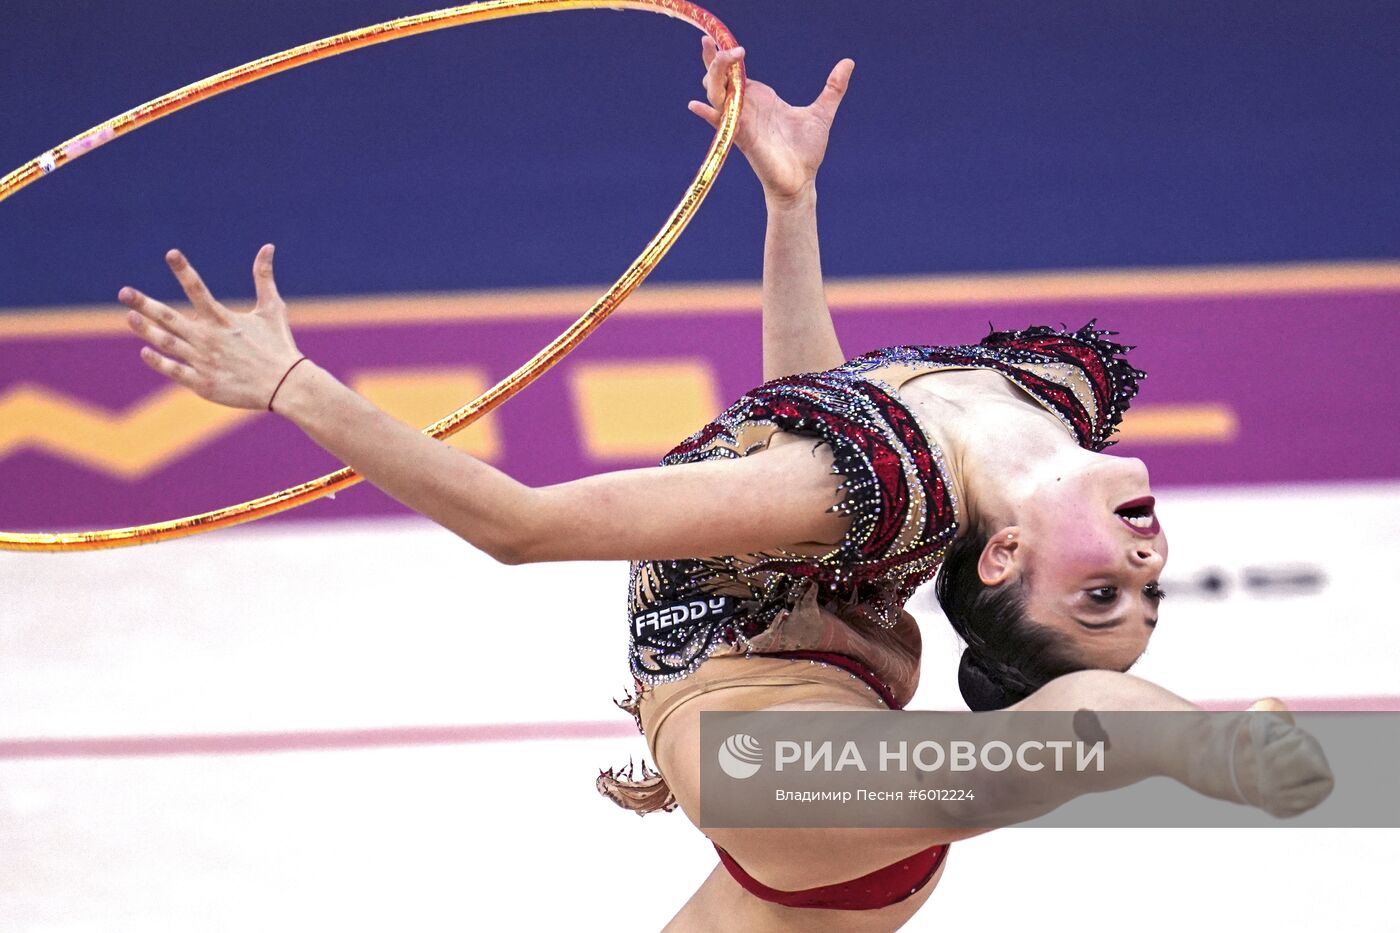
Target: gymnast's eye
x: 1154, y: 592
x: 1103, y: 595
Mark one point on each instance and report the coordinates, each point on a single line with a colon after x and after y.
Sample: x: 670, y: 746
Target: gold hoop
x: 556, y: 350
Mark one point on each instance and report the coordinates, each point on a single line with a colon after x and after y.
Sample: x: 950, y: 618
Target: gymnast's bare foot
x: 1260, y: 758
x: 1272, y: 705
x: 1277, y: 766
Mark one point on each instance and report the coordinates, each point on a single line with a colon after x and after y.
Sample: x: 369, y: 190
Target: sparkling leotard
x: 847, y: 604
x: 902, y: 510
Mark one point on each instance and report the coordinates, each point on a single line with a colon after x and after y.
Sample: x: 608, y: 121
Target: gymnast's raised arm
x: 778, y: 498
x: 785, y: 146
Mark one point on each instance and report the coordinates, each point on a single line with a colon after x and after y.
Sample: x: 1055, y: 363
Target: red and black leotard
x: 903, y: 516
x: 903, y: 513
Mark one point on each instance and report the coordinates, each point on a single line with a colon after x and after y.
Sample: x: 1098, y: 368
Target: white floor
x: 395, y: 623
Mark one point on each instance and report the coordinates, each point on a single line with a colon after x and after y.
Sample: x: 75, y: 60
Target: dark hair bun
x: 979, y: 690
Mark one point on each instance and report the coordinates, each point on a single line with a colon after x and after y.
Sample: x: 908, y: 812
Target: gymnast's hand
x: 783, y: 143
x: 235, y: 358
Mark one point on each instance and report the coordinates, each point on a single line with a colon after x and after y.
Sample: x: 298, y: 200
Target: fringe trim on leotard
x: 1105, y: 365
x: 642, y: 794
x: 648, y: 793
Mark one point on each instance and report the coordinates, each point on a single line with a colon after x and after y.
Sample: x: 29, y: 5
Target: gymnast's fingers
x: 264, y: 283
x: 713, y: 78
x: 707, y: 50
x: 717, y: 76
x: 195, y: 290
x: 159, y: 338
x: 177, y: 372
x: 705, y: 112
x: 835, y: 91
x: 156, y: 312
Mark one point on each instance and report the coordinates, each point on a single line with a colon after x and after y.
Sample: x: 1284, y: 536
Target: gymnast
x: 805, y: 516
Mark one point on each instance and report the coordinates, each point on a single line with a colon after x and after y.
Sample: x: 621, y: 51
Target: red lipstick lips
x: 1140, y: 508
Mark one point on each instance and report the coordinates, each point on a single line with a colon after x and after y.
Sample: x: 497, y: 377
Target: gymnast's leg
x: 1260, y: 760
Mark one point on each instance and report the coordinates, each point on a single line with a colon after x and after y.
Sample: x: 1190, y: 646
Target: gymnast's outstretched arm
x: 785, y: 146
x: 777, y: 498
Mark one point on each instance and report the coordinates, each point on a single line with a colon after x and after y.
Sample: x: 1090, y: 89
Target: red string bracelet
x: 282, y: 380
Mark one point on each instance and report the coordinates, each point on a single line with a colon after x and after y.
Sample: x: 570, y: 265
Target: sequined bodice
x: 902, y: 510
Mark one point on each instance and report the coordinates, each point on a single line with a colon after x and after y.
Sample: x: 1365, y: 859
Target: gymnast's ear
x: 997, y: 563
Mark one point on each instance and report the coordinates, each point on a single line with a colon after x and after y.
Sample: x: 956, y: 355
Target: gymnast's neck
x: 999, y: 445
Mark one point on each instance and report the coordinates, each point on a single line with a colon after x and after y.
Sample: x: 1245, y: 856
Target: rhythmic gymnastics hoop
x: 555, y: 351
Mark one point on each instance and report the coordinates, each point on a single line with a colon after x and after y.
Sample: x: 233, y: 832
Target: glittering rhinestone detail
x: 903, y: 512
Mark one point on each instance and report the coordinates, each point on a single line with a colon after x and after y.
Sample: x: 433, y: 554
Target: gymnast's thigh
x: 786, y: 859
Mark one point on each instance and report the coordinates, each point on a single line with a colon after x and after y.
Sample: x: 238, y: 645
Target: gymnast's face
x: 1088, y: 550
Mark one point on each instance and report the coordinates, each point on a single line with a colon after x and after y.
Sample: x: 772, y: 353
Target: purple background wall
x: 542, y: 152
x: 1307, y: 376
